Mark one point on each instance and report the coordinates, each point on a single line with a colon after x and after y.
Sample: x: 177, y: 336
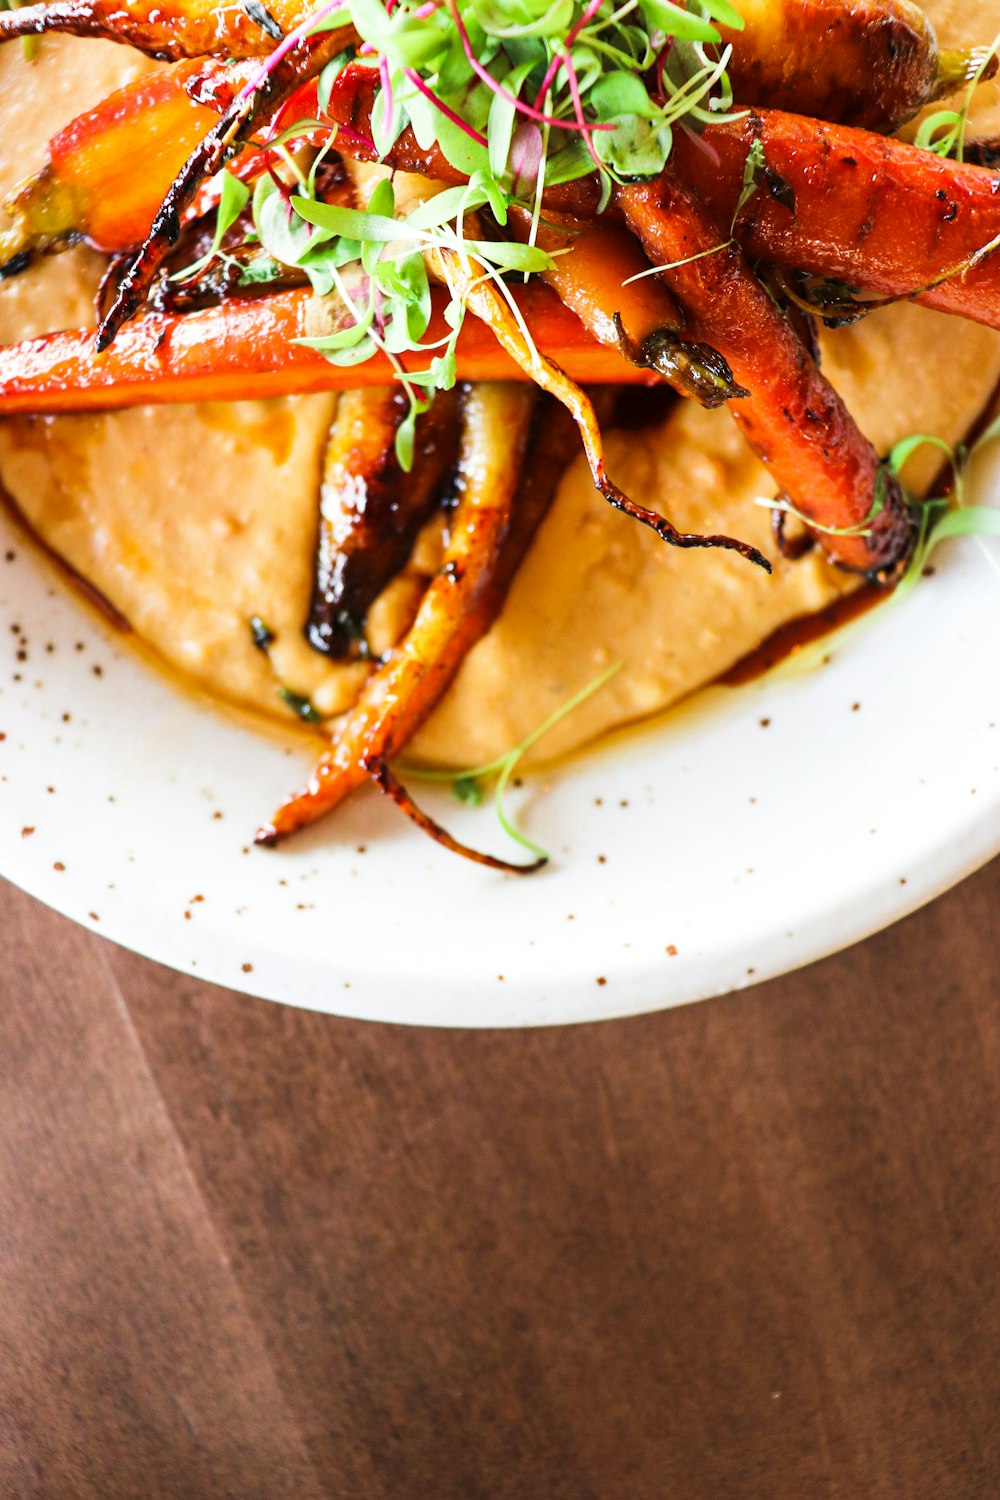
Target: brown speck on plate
x: 26, y: 832
x: 602, y: 981
x: 765, y: 723
x: 672, y: 950
x: 59, y: 866
x: 216, y: 816
x: 247, y: 968
x: 97, y: 671
x: 602, y: 859
x: 93, y: 916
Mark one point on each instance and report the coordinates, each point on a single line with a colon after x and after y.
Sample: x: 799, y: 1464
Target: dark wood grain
x: 745, y: 1249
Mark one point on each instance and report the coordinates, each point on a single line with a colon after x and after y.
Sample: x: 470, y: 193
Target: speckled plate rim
x: 827, y: 822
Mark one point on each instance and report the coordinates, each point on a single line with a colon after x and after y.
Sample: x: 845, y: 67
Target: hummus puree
x: 190, y: 519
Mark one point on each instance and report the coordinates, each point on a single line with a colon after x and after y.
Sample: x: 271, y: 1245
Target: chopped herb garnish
x: 300, y: 705
x: 303, y: 707
x: 261, y: 634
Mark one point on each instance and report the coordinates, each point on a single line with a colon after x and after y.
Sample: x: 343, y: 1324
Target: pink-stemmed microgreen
x: 517, y: 96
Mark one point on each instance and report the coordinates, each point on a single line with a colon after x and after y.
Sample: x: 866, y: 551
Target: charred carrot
x: 598, y: 271
x: 488, y: 537
x: 370, y: 509
x: 793, y: 419
x: 252, y: 108
x: 870, y: 63
x: 881, y: 216
x: 181, y: 28
x: 246, y: 348
x: 109, y: 169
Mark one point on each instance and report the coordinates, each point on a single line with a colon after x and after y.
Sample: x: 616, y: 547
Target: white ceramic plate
x: 752, y: 832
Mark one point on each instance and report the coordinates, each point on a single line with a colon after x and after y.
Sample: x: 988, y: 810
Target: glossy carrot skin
x: 793, y: 419
x: 880, y: 215
x: 245, y: 348
x: 871, y: 63
x: 460, y: 603
x: 110, y: 168
x: 182, y: 28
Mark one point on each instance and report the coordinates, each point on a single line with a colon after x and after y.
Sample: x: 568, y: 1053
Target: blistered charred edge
x: 87, y: 20
x: 390, y: 785
x: 221, y: 143
x: 893, y: 537
x: 350, y: 575
x: 695, y: 370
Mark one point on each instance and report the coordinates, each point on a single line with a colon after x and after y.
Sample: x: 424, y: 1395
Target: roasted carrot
x: 494, y: 520
x: 793, y: 419
x: 246, y: 348
x: 598, y: 270
x: 870, y: 63
x: 370, y: 509
x: 181, y: 28
x: 109, y: 170
x: 483, y: 298
x: 884, y: 217
x: 251, y: 108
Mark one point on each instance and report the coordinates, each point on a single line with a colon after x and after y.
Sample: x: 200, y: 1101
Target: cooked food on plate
x: 462, y: 379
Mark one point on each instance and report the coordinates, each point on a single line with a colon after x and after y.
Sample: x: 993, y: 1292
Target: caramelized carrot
x: 597, y: 269
x: 370, y: 509
x: 489, y: 533
x: 871, y: 63
x: 246, y: 348
x: 109, y: 170
x: 182, y: 28
x: 882, y: 216
x: 252, y: 108
x: 793, y: 419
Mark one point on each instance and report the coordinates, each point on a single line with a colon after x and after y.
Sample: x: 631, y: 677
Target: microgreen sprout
x: 467, y: 786
x: 945, y: 131
x: 518, y: 96
x: 29, y: 44
x: 940, y: 518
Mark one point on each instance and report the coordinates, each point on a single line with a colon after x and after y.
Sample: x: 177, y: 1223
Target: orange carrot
x: 180, y: 28
x: 872, y: 63
x: 488, y: 536
x: 793, y: 419
x: 884, y: 217
x: 246, y: 348
x: 109, y: 170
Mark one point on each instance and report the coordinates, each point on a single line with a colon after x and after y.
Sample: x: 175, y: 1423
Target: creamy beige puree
x: 191, y: 519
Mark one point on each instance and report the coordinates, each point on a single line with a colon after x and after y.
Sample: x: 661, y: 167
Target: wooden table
x: 748, y: 1248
